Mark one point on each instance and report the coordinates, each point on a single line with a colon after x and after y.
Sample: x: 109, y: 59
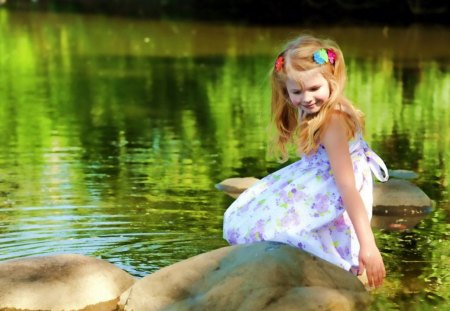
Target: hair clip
x: 279, y: 63
x: 324, y: 56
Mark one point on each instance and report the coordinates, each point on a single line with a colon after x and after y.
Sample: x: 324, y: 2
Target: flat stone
x: 61, y: 282
x: 263, y: 276
x: 235, y: 186
x: 397, y: 204
x: 393, y: 193
x: 398, y: 197
x: 403, y: 174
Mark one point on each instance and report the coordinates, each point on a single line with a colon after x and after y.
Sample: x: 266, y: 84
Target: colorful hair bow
x: 324, y: 56
x: 279, y: 63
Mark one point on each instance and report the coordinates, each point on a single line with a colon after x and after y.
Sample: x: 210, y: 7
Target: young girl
x: 323, y: 202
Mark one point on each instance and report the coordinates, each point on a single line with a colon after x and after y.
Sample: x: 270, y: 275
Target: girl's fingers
x: 370, y: 277
x: 379, y: 279
x: 375, y: 271
x: 375, y: 276
x: 379, y: 276
x: 361, y: 267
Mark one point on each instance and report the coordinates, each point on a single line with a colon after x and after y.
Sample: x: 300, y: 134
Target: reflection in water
x: 115, y: 132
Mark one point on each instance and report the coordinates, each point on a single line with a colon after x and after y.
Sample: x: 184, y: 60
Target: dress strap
x: 376, y: 164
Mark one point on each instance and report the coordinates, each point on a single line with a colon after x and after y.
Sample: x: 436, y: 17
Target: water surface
x: 115, y: 131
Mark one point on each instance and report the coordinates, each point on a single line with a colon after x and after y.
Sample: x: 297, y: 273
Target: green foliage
x: 114, y: 133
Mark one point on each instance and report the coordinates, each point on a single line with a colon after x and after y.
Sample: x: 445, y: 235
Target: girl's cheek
x: 295, y: 100
x: 292, y: 99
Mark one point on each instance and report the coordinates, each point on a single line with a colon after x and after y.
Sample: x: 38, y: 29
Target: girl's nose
x: 307, y: 98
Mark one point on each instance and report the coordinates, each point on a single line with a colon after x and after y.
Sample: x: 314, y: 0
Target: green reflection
x: 115, y: 132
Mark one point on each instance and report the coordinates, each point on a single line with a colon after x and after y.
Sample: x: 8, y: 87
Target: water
x: 115, y: 131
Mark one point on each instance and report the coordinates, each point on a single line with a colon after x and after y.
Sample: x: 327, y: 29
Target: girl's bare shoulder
x: 340, y: 125
x: 336, y: 128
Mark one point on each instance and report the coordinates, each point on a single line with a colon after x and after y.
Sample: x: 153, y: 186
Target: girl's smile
x: 308, y: 90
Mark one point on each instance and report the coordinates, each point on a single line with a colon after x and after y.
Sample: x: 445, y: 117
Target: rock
x: 398, y: 197
x: 263, y: 276
x: 387, y: 196
x: 397, y: 204
x: 61, y: 282
x: 235, y: 186
x: 403, y: 174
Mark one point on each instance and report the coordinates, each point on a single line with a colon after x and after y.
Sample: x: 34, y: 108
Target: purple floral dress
x: 300, y: 205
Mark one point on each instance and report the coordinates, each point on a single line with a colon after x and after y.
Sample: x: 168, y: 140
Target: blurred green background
x: 116, y: 125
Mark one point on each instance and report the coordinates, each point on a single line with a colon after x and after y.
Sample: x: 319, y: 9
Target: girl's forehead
x: 305, y: 77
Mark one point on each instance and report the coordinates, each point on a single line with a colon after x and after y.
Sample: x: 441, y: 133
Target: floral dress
x: 300, y: 205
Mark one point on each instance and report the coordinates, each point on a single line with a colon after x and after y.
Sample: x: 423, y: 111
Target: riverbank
x: 257, y: 12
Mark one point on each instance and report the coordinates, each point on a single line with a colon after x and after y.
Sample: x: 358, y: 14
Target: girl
x: 323, y: 202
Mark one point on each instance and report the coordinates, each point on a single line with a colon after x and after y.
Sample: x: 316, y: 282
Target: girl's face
x: 308, y: 90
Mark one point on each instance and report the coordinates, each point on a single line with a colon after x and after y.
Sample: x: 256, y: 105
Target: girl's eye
x: 296, y: 92
x: 315, y: 88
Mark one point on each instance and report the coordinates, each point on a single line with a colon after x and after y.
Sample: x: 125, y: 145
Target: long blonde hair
x: 305, y: 131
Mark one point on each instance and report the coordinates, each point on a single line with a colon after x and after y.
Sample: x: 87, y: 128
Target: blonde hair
x: 305, y: 131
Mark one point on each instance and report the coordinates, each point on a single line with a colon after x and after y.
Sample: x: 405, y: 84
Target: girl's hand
x: 370, y: 259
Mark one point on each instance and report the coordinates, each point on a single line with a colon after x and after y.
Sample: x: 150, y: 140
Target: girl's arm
x: 336, y: 144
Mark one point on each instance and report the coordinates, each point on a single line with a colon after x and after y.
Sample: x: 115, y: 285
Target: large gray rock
x: 264, y: 276
x: 61, y: 282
